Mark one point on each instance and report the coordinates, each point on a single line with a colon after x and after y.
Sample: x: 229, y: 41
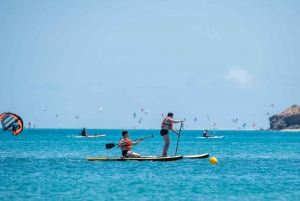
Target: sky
x: 228, y: 59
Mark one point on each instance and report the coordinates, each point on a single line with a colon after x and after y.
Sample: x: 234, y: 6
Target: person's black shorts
x: 124, y: 152
x: 164, y: 132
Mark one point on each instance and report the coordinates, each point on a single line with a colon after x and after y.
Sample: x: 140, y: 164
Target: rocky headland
x: 289, y: 119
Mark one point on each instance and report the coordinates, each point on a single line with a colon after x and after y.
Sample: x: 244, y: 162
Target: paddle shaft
x: 178, y: 139
x: 111, y: 145
x: 144, y: 137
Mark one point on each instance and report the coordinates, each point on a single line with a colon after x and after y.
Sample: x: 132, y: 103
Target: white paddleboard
x: 91, y: 136
x: 212, y: 137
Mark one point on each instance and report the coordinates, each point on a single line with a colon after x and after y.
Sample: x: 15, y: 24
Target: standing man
x: 166, y: 125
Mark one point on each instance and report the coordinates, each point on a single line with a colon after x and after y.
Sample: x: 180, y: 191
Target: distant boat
x: 91, y: 136
x: 212, y: 137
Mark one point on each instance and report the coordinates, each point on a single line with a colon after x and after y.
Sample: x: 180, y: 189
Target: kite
x: 134, y: 114
x: 56, y: 115
x: 208, y: 116
x: 232, y: 120
x: 11, y: 122
x: 244, y: 125
x: 76, y: 117
x: 44, y: 109
x: 162, y: 114
x: 253, y: 124
x: 195, y: 119
x: 142, y: 109
x: 146, y: 112
x: 272, y: 105
x: 215, y: 123
x: 236, y: 120
x: 100, y: 109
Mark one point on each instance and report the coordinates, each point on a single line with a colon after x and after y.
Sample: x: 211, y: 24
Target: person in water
x: 205, y: 134
x: 84, y: 133
x: 126, y: 145
x: 166, y: 125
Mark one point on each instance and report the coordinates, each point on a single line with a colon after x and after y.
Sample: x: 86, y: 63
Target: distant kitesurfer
x: 126, y: 145
x: 205, y: 134
x: 166, y: 125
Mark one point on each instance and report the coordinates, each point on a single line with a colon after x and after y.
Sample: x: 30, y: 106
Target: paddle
x: 111, y: 145
x: 178, y: 139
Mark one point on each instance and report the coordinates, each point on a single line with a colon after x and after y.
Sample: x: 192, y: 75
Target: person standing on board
x: 126, y: 145
x: 166, y: 125
x: 83, y: 133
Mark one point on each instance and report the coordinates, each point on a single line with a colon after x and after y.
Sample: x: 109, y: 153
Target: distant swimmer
x: 205, y: 134
x: 126, y: 145
x: 84, y: 133
x: 166, y: 125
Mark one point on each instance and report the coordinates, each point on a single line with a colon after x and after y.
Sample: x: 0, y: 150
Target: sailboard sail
x: 11, y: 122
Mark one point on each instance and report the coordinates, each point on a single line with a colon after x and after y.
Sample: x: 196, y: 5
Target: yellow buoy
x: 213, y: 160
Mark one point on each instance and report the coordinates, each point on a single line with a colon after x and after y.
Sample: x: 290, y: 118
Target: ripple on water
x: 52, y: 166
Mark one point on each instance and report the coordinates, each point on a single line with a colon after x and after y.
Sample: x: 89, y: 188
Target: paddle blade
x: 110, y: 145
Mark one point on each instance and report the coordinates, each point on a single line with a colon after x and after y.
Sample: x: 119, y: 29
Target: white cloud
x: 243, y: 78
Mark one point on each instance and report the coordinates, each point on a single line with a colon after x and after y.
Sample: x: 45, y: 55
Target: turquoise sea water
x: 49, y: 164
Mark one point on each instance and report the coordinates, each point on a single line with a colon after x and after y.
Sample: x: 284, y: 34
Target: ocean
x: 50, y: 164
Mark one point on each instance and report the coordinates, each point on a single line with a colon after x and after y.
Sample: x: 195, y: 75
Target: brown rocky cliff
x: 289, y: 119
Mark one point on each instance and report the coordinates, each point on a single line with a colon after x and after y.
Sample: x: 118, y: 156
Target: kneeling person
x: 126, y: 145
x: 205, y: 134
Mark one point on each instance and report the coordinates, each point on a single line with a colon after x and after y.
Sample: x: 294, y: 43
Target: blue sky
x: 229, y: 59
